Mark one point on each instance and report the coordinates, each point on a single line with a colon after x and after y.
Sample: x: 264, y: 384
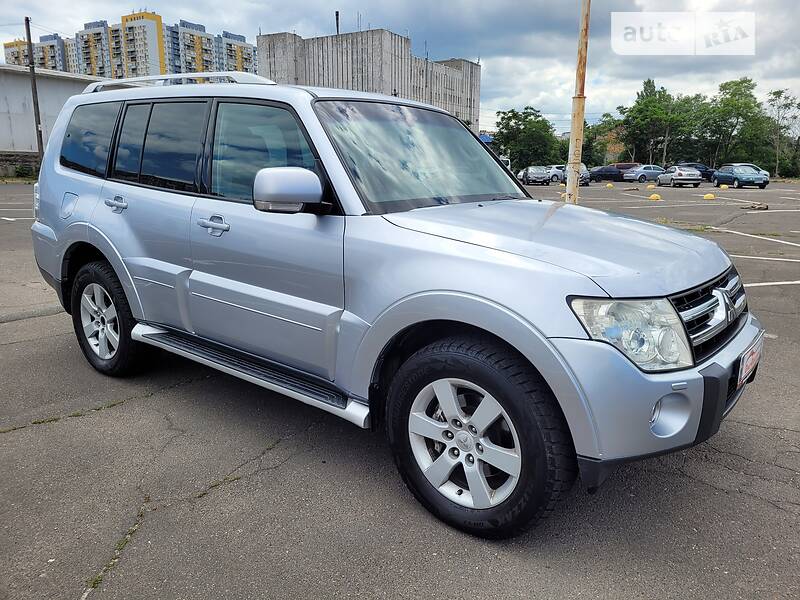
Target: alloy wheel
x: 464, y: 443
x: 99, y: 321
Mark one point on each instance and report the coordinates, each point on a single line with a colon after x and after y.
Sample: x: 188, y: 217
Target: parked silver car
x: 368, y: 256
x: 643, y: 173
x: 561, y: 170
x: 679, y: 176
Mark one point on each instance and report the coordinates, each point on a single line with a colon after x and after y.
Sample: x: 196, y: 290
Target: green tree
x: 527, y: 137
x: 731, y: 109
x: 784, y: 108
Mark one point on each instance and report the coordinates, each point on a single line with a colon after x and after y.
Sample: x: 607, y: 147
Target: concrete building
x: 94, y: 49
x: 17, y: 125
x: 375, y: 60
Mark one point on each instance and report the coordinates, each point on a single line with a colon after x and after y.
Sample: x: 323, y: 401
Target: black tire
x: 736, y: 184
x: 696, y: 184
x: 555, y: 178
x: 546, y: 183
x: 642, y: 178
x: 672, y: 182
x: 548, y: 458
x: 715, y: 182
x: 129, y: 354
x: 762, y: 185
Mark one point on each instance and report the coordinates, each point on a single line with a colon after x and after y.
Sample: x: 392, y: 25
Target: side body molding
x: 492, y: 317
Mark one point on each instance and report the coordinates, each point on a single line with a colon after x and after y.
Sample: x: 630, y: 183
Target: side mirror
x: 286, y: 189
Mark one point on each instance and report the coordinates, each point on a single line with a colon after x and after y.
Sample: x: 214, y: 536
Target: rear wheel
x: 103, y: 321
x: 478, y: 436
x: 554, y: 178
x: 642, y: 178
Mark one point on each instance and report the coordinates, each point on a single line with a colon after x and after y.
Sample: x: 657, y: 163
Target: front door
x: 267, y: 283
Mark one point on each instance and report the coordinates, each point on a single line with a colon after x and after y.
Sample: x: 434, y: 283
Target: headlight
x: 649, y: 332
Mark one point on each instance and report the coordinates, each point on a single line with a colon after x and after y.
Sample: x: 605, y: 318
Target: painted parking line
x: 774, y: 210
x: 660, y: 204
x: 797, y: 260
x: 758, y: 237
x: 789, y: 198
x: 767, y: 283
x: 17, y: 218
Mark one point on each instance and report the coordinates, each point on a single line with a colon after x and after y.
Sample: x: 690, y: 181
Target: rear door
x: 146, y: 203
x: 270, y: 284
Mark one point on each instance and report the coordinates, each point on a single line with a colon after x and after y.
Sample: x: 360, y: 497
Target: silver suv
x: 367, y: 255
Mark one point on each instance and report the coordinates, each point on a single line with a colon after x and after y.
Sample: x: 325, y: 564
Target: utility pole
x: 578, y: 107
x: 34, y: 92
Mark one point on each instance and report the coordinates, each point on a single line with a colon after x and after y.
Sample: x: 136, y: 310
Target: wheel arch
x: 82, y: 252
x: 415, y: 322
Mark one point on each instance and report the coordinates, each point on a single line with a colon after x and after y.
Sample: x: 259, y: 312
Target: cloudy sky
x: 526, y: 47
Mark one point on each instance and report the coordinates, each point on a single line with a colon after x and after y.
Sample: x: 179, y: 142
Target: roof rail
x: 230, y: 76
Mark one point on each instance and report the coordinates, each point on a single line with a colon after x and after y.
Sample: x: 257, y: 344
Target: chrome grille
x: 712, y: 313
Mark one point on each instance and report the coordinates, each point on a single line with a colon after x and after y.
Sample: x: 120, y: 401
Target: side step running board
x: 255, y: 372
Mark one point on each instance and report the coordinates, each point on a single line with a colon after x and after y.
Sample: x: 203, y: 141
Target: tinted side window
x: 131, y: 140
x: 88, y: 137
x: 250, y: 137
x: 173, y: 145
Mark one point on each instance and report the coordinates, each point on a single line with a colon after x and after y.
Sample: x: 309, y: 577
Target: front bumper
x: 621, y: 398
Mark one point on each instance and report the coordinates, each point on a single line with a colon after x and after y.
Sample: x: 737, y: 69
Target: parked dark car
x: 739, y: 176
x: 705, y: 171
x: 536, y: 174
x: 606, y: 173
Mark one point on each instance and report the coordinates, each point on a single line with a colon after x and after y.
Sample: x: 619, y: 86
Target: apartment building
x: 233, y: 53
x: 137, y: 46
x: 376, y: 60
x: 16, y: 52
x: 94, y: 49
x: 140, y: 44
x: 190, y: 48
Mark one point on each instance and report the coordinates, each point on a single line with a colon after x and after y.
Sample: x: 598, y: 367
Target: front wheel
x: 103, y: 321
x: 672, y: 183
x: 696, y: 184
x: 762, y: 185
x: 736, y: 184
x: 478, y: 437
x: 715, y: 182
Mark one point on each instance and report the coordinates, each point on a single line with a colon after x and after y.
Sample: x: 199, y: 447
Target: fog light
x: 670, y: 415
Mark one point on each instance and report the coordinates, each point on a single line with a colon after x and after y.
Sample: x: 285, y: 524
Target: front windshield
x: 401, y: 157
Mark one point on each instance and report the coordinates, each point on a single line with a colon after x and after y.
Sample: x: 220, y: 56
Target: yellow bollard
x: 609, y: 185
x: 709, y: 197
x: 563, y: 184
x: 651, y: 186
x: 724, y: 186
x: 655, y: 197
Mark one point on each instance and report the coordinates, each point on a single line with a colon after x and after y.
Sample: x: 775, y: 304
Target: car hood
x: 624, y: 256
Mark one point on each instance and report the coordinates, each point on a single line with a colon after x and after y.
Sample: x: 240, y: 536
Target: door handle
x: 215, y: 225
x: 117, y: 203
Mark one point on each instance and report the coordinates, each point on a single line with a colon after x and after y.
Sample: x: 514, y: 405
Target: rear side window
x: 131, y: 141
x: 88, y: 137
x: 250, y: 137
x: 173, y: 145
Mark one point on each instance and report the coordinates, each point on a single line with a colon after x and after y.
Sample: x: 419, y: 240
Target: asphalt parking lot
x: 186, y: 483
